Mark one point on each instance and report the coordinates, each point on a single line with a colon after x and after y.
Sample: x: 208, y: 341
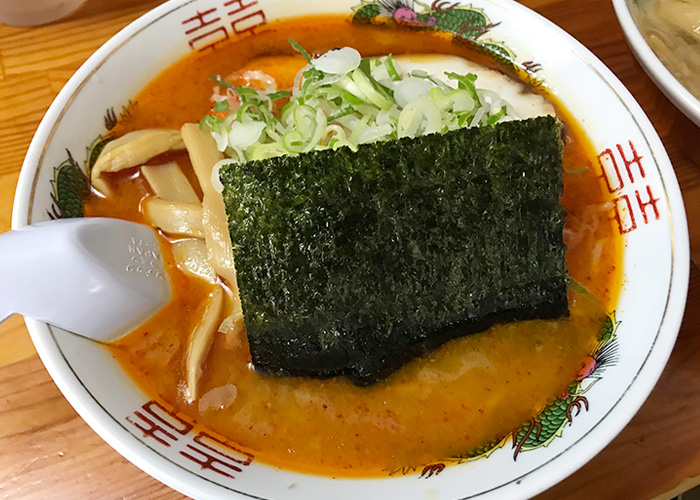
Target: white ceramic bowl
x: 649, y: 311
x: 662, y: 77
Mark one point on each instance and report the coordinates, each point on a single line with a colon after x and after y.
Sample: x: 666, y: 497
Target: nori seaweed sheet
x: 353, y: 263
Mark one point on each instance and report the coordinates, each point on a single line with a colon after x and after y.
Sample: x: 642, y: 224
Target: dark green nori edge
x: 353, y: 263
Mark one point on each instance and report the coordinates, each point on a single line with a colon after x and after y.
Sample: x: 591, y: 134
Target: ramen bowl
x: 645, y: 207
x: 627, y: 12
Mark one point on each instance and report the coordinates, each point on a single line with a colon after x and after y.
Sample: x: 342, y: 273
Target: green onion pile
x: 342, y: 99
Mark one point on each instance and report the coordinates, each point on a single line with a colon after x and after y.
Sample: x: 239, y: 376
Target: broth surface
x: 467, y: 394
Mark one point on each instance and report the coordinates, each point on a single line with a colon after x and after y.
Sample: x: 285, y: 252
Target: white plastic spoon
x: 97, y: 277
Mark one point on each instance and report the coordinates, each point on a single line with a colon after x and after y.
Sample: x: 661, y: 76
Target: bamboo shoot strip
x: 204, y: 155
x: 352, y: 263
x: 132, y: 150
x: 169, y: 183
x: 200, y: 341
x: 175, y: 218
x: 190, y: 255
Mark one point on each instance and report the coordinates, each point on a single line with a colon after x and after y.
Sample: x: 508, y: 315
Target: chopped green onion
x: 358, y: 129
x: 386, y: 91
x: 359, y: 105
x: 464, y: 118
x: 292, y: 141
x: 212, y: 122
x: 364, y: 83
x: 296, y: 46
x: 466, y: 82
x: 347, y: 110
x: 313, y: 74
x: 248, y: 94
x: 221, y: 82
x: 365, y: 66
x: 242, y: 111
x: 578, y: 287
x: 280, y: 94
x: 390, y: 69
x: 352, y: 99
x: 221, y: 106
x: 496, y: 116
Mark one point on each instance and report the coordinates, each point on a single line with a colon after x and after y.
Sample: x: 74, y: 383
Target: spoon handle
x: 97, y: 277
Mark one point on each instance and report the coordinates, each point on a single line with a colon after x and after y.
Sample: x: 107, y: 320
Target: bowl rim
x: 618, y: 415
x: 681, y: 97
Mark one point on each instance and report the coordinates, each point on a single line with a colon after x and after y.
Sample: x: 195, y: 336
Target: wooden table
x: 49, y: 452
